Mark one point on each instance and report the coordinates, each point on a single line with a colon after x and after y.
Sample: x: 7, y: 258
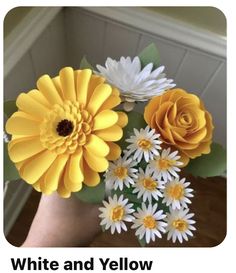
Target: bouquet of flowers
x: 79, y: 133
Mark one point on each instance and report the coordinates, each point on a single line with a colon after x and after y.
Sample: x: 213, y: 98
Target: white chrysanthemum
x: 144, y: 143
x: 148, y: 222
x: 176, y: 193
x: 147, y: 186
x: 115, y: 212
x: 179, y: 225
x: 120, y: 173
x: 134, y: 83
x: 166, y: 165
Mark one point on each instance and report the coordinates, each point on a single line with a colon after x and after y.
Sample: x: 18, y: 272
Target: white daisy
x: 179, y: 225
x: 144, y: 143
x: 120, y: 173
x: 115, y: 212
x: 148, y: 222
x: 176, y: 193
x: 134, y: 83
x: 147, y: 186
x: 166, y: 165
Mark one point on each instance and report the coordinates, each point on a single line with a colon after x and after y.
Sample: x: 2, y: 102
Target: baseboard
x: 169, y: 28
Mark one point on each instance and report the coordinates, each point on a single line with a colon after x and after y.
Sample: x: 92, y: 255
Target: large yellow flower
x: 182, y: 121
x: 63, y: 132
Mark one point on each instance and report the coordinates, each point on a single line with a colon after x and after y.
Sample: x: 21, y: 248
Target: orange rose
x: 182, y: 121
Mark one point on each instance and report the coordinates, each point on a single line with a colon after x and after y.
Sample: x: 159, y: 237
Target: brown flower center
x: 64, y: 127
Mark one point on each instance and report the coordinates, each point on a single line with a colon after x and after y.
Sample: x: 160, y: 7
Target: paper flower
x: 115, y: 212
x: 120, y: 173
x: 148, y: 222
x: 144, y: 143
x: 179, y: 225
x: 147, y: 186
x: 63, y: 133
x: 166, y: 165
x: 182, y: 121
x: 176, y: 193
x: 135, y: 84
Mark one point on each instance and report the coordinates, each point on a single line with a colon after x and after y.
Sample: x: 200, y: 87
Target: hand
x: 63, y: 223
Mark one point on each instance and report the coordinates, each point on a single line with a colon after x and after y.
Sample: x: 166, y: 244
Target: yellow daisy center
x: 149, y: 222
x: 175, y: 191
x: 66, y: 127
x: 149, y: 183
x: 121, y: 172
x: 180, y: 224
x: 165, y: 164
x: 144, y: 144
x: 117, y: 213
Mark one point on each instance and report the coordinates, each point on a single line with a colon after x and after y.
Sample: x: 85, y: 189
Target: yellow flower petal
x: 100, y: 94
x: 21, y: 123
x: 36, y: 186
x: 95, y: 80
x: 39, y: 97
x: 46, y: 86
x: 54, y: 173
x: 115, y: 92
x: 113, y: 133
x: 98, y: 164
x: 57, y: 83
x: 83, y: 79
x: 62, y: 191
x: 42, y: 186
x: 112, y: 101
x: 32, y: 170
x: 29, y: 105
x: 122, y: 119
x: 91, y: 178
x: 21, y: 149
x: 105, y: 119
x: 74, y: 172
x: 115, y: 151
x: 97, y: 146
x: 151, y: 108
x: 68, y: 83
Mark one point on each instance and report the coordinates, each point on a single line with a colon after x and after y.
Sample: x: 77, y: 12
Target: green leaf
x: 10, y: 171
x: 212, y: 164
x: 10, y: 107
x: 137, y: 121
x: 142, y: 242
x: 148, y: 55
x: 92, y: 194
x: 85, y: 64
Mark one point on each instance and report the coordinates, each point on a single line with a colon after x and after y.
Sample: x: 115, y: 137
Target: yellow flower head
x: 63, y: 132
x: 182, y: 121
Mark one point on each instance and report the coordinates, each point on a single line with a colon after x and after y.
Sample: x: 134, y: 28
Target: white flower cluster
x: 150, y: 175
x: 134, y: 82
